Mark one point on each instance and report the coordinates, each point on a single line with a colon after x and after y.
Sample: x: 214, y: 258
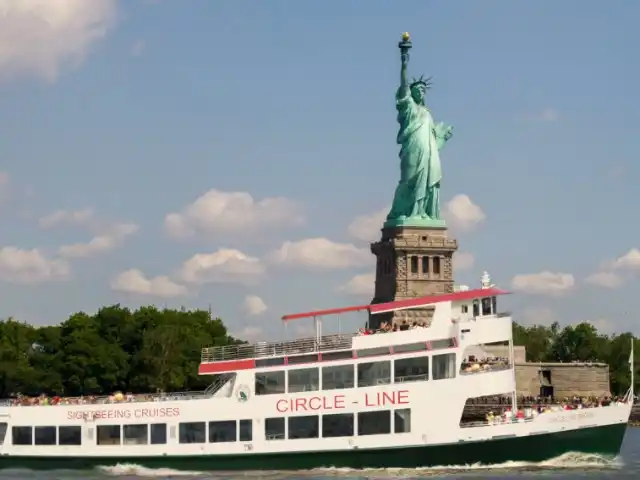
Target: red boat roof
x: 403, y: 304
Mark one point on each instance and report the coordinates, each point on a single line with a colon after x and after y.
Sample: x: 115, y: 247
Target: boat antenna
x: 632, y: 367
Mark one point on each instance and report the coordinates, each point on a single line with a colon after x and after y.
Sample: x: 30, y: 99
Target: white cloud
x: 543, y: 283
x: 604, y: 279
x: 105, y: 242
x: 254, y: 305
x: 321, y: 253
x: 134, y: 281
x: 630, y: 260
x: 537, y: 316
x: 39, y: 37
x: 223, y: 266
x: 30, y: 266
x: 367, y: 227
x: 462, y: 213
x: 603, y: 325
x: 84, y: 217
x: 231, y: 212
x: 463, y: 261
x: 249, y: 334
x: 360, y: 285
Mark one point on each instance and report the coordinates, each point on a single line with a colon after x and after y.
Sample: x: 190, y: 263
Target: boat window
x: 464, y: 308
x: 304, y: 380
x: 333, y: 356
x: 494, y: 305
x: 3, y: 432
x: 274, y: 428
x: 402, y: 420
x: 442, y: 343
x: 486, y: 306
x: 192, y: 432
x: 70, y: 435
x: 306, y: 426
x: 443, y: 366
x: 246, y: 430
x: 136, y: 434
x: 414, y: 369
x: 44, y: 435
x: 269, y: 362
x: 374, y: 373
x: 373, y: 352
x: 298, y: 359
x: 223, y: 431
x: 337, y: 425
x: 374, y: 423
x: 337, y: 377
x: 270, y: 383
x: 108, y: 435
x: 476, y: 308
x: 158, y: 433
x: 410, y: 347
x: 22, y: 435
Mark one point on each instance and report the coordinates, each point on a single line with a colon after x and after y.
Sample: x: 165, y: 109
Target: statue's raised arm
x: 417, y: 198
x: 405, y: 46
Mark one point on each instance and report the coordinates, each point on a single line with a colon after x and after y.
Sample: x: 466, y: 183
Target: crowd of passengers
x: 531, y: 407
x: 473, y: 364
x: 386, y: 327
x: 117, y: 397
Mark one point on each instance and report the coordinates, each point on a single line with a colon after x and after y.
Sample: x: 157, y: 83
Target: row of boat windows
x: 379, y: 422
x: 334, y: 425
x: 140, y: 434
x: 273, y: 361
x: 415, y: 369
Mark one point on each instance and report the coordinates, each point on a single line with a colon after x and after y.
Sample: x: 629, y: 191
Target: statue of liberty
x: 417, y: 198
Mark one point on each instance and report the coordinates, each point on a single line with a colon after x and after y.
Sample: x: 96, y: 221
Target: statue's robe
x: 418, y: 192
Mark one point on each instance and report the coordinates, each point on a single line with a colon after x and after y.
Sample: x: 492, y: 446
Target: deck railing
x: 278, y: 349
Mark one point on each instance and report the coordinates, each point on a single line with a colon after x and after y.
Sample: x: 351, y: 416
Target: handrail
x: 108, y: 399
x: 278, y: 349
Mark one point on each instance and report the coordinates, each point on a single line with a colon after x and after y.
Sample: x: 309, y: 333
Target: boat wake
x: 574, y: 461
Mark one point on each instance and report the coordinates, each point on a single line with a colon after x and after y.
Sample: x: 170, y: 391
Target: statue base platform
x: 415, y: 222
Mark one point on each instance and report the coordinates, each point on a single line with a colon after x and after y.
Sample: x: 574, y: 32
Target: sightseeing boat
x: 382, y: 400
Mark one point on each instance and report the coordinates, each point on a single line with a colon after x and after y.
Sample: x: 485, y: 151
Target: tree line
x: 151, y: 349
x: 116, y: 349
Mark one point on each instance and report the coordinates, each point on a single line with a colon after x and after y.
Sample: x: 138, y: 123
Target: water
x: 567, y: 467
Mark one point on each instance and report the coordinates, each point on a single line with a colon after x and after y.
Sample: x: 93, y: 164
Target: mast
x: 632, y: 367
x: 512, y: 361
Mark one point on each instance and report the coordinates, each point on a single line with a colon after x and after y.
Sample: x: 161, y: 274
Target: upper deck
x: 242, y: 356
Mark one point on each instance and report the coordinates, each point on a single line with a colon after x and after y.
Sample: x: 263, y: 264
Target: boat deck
x: 278, y: 349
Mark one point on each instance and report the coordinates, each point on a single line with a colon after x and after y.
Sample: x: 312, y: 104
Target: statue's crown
x: 425, y: 82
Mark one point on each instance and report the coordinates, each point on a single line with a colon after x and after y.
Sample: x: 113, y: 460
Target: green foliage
x: 137, y: 351
x: 580, y: 343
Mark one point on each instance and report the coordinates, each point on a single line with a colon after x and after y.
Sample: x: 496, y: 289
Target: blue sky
x: 277, y: 119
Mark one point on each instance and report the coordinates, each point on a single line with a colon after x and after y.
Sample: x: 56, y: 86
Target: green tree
x: 115, y: 349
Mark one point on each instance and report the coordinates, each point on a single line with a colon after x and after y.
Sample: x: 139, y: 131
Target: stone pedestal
x: 412, y: 262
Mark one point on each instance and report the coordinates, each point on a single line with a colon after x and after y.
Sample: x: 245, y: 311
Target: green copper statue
x: 417, y: 198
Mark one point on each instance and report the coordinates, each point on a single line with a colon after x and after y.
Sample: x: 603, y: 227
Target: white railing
x: 278, y: 349
x: 220, y: 382
x: 495, y: 422
x: 103, y: 399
